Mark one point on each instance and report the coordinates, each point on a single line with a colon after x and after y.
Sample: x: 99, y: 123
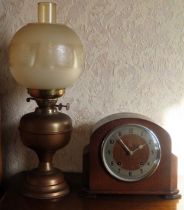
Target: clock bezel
x: 156, y: 162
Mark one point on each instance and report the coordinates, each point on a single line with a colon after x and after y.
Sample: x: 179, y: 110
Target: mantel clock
x: 129, y: 154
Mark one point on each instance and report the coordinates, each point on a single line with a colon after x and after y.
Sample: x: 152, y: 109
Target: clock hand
x: 138, y: 148
x: 125, y: 146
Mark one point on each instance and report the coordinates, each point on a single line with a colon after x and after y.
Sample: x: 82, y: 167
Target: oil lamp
x: 45, y: 57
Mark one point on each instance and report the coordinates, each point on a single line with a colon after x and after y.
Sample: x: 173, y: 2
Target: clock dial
x: 131, y: 152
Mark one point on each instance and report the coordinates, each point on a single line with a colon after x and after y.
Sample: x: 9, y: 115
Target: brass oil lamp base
x: 45, y: 131
x: 46, y: 185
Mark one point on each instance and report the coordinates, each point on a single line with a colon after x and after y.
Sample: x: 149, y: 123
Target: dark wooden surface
x: 74, y: 201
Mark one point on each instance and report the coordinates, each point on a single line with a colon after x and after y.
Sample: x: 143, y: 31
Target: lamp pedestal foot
x: 49, y: 185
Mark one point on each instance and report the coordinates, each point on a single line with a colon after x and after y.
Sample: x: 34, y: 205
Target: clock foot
x: 172, y: 196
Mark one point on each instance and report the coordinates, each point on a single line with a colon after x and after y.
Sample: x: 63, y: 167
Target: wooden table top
x: 74, y: 201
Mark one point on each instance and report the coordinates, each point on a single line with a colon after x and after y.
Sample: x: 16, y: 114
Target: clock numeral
x: 150, y: 141
x: 108, y: 152
x: 131, y: 130
x: 141, y: 163
x: 119, y: 163
x: 141, y: 170
x: 112, y: 141
x: 152, y: 152
x: 142, y: 133
x: 130, y: 173
x: 119, y: 170
x: 112, y: 163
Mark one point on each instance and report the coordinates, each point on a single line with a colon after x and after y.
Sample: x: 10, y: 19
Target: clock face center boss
x: 129, y: 154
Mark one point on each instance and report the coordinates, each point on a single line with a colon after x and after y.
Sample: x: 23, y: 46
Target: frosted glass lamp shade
x: 46, y: 56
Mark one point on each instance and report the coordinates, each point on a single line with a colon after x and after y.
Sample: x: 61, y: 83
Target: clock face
x: 131, y: 152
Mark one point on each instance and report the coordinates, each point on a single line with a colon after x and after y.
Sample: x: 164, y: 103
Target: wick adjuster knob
x: 60, y: 106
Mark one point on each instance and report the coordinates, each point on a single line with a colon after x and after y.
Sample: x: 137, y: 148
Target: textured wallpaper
x: 134, y: 60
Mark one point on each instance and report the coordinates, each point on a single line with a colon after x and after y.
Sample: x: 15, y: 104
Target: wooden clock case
x: 98, y: 181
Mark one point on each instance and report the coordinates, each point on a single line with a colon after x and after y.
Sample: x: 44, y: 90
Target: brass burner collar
x: 46, y: 94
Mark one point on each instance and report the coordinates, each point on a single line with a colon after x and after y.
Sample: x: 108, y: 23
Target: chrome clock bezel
x: 120, y: 176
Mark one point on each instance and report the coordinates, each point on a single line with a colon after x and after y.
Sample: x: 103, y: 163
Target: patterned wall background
x: 134, y: 62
